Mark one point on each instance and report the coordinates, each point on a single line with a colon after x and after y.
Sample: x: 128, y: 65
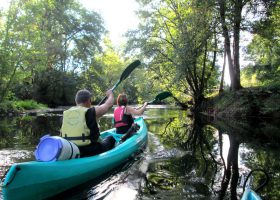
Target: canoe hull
x: 250, y: 195
x: 39, y: 180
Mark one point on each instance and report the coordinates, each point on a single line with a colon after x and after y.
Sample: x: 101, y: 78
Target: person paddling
x: 80, y: 124
x: 123, y: 114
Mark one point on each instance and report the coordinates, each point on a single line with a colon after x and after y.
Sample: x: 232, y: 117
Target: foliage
x: 177, y: 39
x: 7, y: 107
x: 54, y: 87
x: 264, y: 51
x: 28, y: 105
x: 247, y: 102
x: 46, y: 34
x: 106, y: 71
x: 49, y: 49
x: 15, y: 106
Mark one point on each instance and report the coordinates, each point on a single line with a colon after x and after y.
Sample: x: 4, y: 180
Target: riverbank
x: 247, y: 102
x: 14, y: 108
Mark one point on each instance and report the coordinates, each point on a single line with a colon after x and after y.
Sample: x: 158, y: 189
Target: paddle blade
x: 162, y: 96
x: 129, y: 69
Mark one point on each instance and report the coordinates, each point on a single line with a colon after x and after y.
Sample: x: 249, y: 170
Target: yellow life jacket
x: 74, y: 127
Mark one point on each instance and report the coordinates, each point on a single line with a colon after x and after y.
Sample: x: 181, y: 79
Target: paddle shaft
x: 113, y: 88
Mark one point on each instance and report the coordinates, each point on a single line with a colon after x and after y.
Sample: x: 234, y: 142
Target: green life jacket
x: 74, y: 126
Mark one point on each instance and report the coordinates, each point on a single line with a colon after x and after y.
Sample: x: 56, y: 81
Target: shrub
x: 28, y: 105
x: 7, y: 107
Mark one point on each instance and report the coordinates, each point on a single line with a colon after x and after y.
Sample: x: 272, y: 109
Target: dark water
x: 186, y: 158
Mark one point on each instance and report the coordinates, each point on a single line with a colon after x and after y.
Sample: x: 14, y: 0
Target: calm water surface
x: 186, y: 158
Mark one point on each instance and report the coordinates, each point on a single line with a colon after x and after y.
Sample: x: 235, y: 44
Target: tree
x: 54, y: 87
x: 104, y: 72
x: 47, y: 34
x: 233, y: 63
x: 264, y: 50
x: 178, y: 40
x: 232, y: 21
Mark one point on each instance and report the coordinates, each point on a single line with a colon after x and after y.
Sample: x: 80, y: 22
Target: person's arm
x: 92, y: 124
x: 134, y: 111
x: 103, y: 108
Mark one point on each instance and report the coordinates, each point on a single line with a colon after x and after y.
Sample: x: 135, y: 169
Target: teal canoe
x: 250, y: 195
x: 40, y: 180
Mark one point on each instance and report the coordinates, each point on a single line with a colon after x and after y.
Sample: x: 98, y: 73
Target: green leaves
x: 46, y: 34
x: 264, y: 51
x: 178, y: 41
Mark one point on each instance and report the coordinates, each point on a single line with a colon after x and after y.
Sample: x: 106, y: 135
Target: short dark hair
x: 82, y: 96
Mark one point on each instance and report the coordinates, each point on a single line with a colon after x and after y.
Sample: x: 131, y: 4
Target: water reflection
x: 248, y: 148
x: 186, y: 158
x: 223, y: 152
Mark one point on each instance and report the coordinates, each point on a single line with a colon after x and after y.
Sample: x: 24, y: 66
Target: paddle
x: 160, y: 97
x: 124, y: 75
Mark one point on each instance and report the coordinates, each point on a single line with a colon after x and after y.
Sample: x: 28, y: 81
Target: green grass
x: 28, y: 105
x: 18, y: 106
x: 263, y: 101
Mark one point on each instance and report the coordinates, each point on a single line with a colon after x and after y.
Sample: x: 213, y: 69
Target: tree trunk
x: 233, y: 72
x: 223, y: 74
x: 236, y: 40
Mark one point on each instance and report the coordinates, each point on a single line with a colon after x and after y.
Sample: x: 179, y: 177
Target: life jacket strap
x: 83, y: 137
x: 121, y: 121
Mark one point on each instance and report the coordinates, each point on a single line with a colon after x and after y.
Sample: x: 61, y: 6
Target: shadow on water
x: 186, y: 158
x: 245, y: 146
x: 218, y: 155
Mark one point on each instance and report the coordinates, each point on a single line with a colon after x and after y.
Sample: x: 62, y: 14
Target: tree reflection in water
x: 186, y: 158
x: 219, y: 153
x: 237, y: 133
x: 231, y: 171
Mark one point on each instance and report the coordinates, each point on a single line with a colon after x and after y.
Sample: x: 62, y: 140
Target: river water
x: 186, y: 157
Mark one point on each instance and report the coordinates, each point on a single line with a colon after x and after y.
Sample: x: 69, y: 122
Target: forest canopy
x: 49, y: 49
